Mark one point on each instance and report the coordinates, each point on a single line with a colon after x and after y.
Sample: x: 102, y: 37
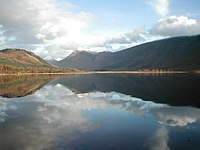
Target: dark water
x: 100, y: 112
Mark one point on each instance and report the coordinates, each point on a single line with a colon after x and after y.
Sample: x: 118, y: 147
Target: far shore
x: 105, y: 72
x: 137, y: 72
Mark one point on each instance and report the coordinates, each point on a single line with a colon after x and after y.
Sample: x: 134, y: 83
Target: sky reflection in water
x: 56, y: 118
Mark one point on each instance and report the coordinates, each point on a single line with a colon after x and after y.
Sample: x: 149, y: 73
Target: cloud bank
x: 176, y: 26
x: 40, y: 24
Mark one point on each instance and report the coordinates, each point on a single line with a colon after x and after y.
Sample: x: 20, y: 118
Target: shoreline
x: 106, y: 72
x: 138, y: 72
x: 64, y: 73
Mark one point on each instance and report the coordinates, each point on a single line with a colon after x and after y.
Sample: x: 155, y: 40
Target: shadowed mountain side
x: 20, y: 86
x: 170, y: 89
x: 178, y: 53
x: 85, y: 60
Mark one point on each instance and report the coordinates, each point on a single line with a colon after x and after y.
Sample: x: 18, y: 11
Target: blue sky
x: 55, y: 28
x: 126, y: 15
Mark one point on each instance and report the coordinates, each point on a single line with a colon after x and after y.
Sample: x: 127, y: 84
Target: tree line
x: 9, y: 69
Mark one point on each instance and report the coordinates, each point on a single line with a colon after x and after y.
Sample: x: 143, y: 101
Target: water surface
x: 100, y: 112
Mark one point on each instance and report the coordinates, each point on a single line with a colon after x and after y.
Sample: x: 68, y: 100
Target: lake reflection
x: 57, y: 117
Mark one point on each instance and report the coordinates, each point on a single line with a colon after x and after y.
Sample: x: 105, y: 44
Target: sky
x: 55, y: 28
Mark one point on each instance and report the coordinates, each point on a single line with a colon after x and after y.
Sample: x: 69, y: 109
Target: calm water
x: 100, y: 112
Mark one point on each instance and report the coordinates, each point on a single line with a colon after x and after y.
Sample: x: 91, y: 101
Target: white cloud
x: 121, y: 39
x: 136, y: 35
x: 40, y: 23
x: 160, y: 6
x: 176, y: 26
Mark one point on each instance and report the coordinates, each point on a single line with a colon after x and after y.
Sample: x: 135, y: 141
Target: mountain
x: 52, y: 61
x: 20, y: 61
x: 178, y: 53
x: 83, y: 60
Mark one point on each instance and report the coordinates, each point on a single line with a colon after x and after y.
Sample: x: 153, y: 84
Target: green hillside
x: 22, y: 61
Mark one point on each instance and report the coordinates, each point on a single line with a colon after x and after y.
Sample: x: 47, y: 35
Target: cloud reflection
x: 177, y: 116
x: 55, y: 111
x: 159, y: 140
x: 165, y: 114
x: 44, y: 117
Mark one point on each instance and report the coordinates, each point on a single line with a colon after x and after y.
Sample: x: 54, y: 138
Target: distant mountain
x: 83, y: 60
x: 52, y: 61
x: 20, y: 61
x: 178, y: 53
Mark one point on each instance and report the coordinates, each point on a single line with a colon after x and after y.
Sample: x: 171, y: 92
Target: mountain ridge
x: 176, y: 53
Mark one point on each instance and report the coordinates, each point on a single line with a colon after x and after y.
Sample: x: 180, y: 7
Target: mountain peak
x: 77, y: 52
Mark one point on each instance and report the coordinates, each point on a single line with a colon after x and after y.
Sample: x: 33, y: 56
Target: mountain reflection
x: 19, y: 86
x: 54, y: 116
x: 180, y: 90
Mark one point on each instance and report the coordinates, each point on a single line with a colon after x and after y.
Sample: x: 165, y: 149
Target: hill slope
x: 19, y: 57
x: 179, y: 53
x: 20, y: 61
